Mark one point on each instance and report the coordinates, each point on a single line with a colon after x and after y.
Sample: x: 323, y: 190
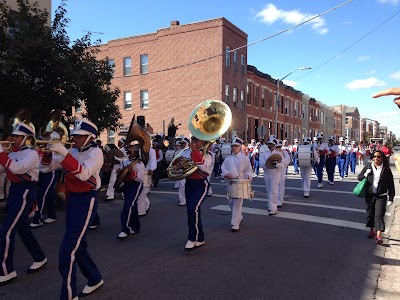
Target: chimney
x: 174, y: 23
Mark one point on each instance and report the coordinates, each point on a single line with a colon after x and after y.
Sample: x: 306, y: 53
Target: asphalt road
x: 314, y: 248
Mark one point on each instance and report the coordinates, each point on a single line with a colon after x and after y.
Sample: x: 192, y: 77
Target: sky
x: 352, y: 47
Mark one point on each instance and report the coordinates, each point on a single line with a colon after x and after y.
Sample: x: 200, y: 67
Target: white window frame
x: 144, y: 99
x: 242, y: 98
x: 227, y: 95
x: 228, y: 57
x: 127, y: 66
x: 127, y: 100
x: 144, y: 64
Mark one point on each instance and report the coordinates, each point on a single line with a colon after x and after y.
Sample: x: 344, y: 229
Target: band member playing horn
x: 270, y: 161
x: 22, y: 170
x: 330, y: 161
x: 322, y: 149
x: 305, y: 170
x: 81, y: 165
x: 115, y: 156
x: 143, y: 202
x: 236, y: 166
x: 285, y: 163
x: 133, y: 183
x: 181, y: 183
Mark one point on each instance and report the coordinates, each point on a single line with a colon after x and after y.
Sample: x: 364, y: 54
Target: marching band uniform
x: 236, y: 166
x: 353, y: 157
x: 322, y: 149
x: 181, y: 183
x: 285, y: 163
x: 143, y: 203
x: 196, y: 189
x: 22, y: 170
x: 330, y: 161
x: 82, y: 166
x: 286, y: 148
x: 116, y: 167
x: 272, y: 177
x: 342, y: 157
x: 133, y: 183
x: 305, y: 172
x: 177, y: 150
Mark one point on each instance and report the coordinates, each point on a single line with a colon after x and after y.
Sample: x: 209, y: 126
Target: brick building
x: 168, y: 73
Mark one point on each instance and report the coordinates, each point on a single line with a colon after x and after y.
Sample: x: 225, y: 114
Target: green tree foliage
x: 42, y: 70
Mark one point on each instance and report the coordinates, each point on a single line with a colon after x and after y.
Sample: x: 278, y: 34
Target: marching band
x: 191, y: 164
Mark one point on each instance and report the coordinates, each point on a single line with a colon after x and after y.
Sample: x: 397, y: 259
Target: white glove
x: 389, y: 203
x: 367, y: 172
x: 59, y: 149
x: 1, y: 149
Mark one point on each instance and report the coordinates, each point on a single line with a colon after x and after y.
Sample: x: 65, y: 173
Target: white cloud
x: 364, y: 83
x: 363, y: 58
x: 395, y: 75
x: 271, y: 14
x: 395, y: 2
x: 290, y: 83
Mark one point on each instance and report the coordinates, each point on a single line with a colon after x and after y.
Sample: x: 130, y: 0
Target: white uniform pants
x: 236, y: 207
x: 113, y: 178
x: 272, y: 177
x: 209, y: 187
x: 306, y: 178
x: 281, y: 188
x: 176, y: 185
x: 181, y: 191
x: 143, y: 202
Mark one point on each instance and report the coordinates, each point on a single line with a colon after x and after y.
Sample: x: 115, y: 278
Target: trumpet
x: 53, y: 142
x: 7, y: 144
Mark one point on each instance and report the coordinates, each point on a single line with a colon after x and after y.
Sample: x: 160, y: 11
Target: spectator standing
x: 172, y: 128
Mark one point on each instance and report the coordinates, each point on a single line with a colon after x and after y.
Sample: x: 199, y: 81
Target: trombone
x: 44, y: 142
x: 7, y: 144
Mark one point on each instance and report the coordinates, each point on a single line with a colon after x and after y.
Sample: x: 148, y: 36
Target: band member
x: 143, y: 203
x: 133, y: 183
x: 81, y: 165
x: 46, y: 192
x: 285, y: 147
x: 236, y: 166
x: 353, y: 157
x: 115, y: 155
x: 342, y: 157
x: 322, y: 149
x: 305, y: 172
x: 285, y: 163
x: 177, y: 150
x: 181, y: 183
x: 272, y: 177
x: 22, y: 170
x: 330, y: 162
x: 196, y: 189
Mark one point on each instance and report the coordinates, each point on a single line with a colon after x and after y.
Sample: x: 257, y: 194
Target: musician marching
x: 181, y: 183
x: 285, y: 163
x: 305, y: 170
x: 81, y: 165
x: 342, y: 157
x: 272, y: 174
x: 322, y: 149
x: 330, y: 161
x: 236, y: 166
x: 22, y: 170
x: 178, y: 149
x: 133, y: 183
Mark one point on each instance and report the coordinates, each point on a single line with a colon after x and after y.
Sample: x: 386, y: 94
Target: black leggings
x: 376, y: 208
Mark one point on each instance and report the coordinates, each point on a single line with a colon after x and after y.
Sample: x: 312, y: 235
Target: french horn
x: 208, y: 121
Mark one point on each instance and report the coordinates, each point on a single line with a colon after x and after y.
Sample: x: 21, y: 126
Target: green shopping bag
x: 361, y: 188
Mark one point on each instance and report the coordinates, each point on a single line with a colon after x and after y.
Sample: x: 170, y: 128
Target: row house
x: 352, y: 124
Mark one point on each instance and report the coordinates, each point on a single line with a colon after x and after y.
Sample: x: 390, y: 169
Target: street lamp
x: 277, y: 96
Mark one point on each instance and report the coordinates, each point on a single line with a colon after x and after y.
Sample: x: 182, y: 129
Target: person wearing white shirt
x: 236, y: 166
x: 285, y: 162
x: 323, y: 150
x: 143, y: 201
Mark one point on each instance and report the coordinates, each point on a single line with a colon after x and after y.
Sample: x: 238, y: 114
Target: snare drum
x: 169, y: 155
x: 226, y: 150
x: 239, y: 189
x: 147, y: 181
x: 305, y: 156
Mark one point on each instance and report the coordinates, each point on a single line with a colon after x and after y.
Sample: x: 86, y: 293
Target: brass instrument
x: 7, y: 144
x: 53, y: 142
x: 23, y: 115
x: 55, y: 125
x: 208, y: 121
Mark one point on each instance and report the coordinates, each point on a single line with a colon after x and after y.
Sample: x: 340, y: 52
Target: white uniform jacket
x: 81, y: 168
x: 21, y: 166
x: 137, y: 173
x: 265, y: 155
x: 238, y: 165
x: 152, y: 163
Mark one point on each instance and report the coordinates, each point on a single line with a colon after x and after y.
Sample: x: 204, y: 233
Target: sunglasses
x: 376, y: 156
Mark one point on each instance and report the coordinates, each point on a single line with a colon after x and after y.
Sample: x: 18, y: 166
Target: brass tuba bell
x: 208, y: 121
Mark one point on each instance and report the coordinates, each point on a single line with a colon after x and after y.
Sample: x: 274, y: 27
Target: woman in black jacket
x: 380, y: 187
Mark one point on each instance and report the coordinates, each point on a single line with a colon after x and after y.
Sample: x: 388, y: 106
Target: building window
x: 311, y: 114
x: 296, y: 109
x: 256, y: 94
x: 111, y: 63
x: 317, y: 115
x: 347, y: 121
x: 287, y: 107
x: 127, y: 100
x: 235, y: 102
x: 322, y: 117
x: 287, y: 131
x: 243, y: 61
x: 228, y: 57
x: 262, y: 98
x: 227, y: 93
x: 144, y: 64
x: 248, y: 93
x: 271, y: 100
x: 127, y: 66
x: 235, y: 62
x: 111, y: 137
x: 144, y: 99
x: 242, y: 98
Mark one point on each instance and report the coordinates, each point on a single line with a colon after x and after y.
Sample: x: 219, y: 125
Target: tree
x: 42, y: 70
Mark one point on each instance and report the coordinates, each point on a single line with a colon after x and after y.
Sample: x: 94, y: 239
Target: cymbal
x: 270, y: 159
